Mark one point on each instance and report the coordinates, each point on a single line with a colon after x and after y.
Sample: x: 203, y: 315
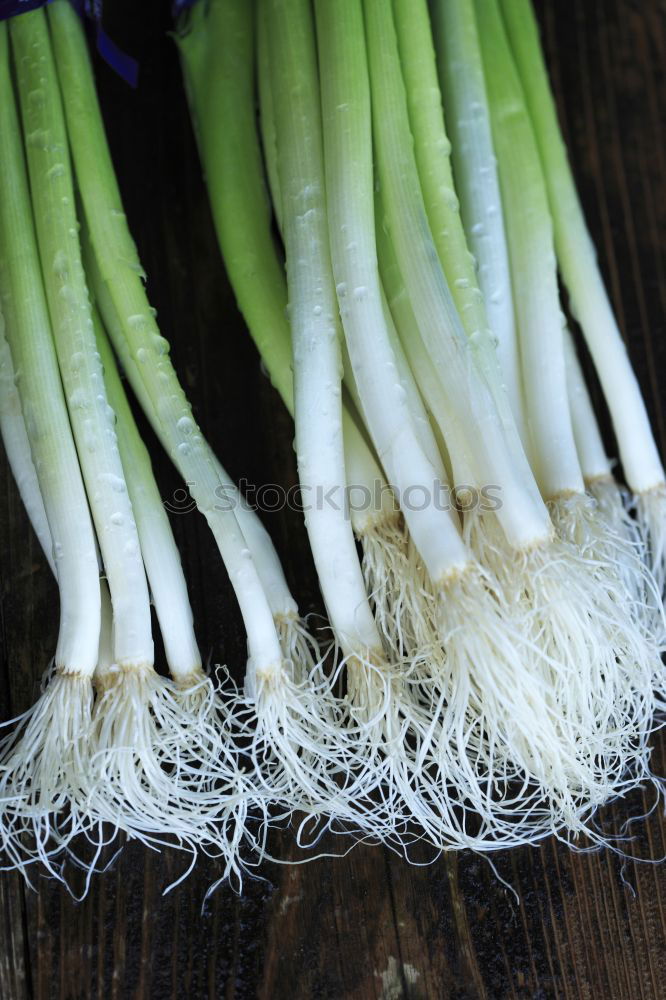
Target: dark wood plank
x: 366, y: 925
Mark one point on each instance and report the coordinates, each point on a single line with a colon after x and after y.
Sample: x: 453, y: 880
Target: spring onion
x: 589, y: 300
x: 17, y: 448
x: 121, y: 271
x: 391, y: 224
x: 497, y: 352
x: 44, y: 761
x: 377, y: 525
x: 279, y: 725
x: 186, y: 712
x: 541, y: 573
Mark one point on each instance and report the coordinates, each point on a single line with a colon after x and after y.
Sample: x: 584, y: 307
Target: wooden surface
x: 367, y: 925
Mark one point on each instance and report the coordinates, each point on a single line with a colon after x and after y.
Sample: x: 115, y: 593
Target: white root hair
x: 440, y: 770
x: 465, y: 742
x: 651, y: 517
x: 494, y: 738
x: 163, y: 770
x: 44, y: 773
x: 302, y: 755
x: 594, y: 662
x: 300, y: 650
x: 650, y: 508
x: 627, y: 549
x: 618, y: 561
x: 382, y: 706
x: 389, y: 562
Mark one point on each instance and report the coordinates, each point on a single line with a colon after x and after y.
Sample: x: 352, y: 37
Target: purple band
x: 124, y: 65
x: 178, y: 6
x: 9, y: 8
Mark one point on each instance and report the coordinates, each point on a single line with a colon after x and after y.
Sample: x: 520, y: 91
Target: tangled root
x: 164, y: 770
x: 651, y: 517
x: 395, y: 582
x: 45, y: 773
x: 301, y: 652
x: 593, y: 663
x: 606, y: 536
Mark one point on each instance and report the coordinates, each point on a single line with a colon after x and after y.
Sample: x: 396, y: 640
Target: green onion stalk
x: 450, y: 660
x: 128, y: 758
x: 589, y: 300
x: 45, y: 759
x: 121, y: 273
x: 317, y: 366
x: 541, y: 331
x: 497, y: 351
x: 216, y: 44
x: 223, y: 798
x: 19, y: 455
x: 475, y: 186
x: 277, y: 769
x: 577, y: 631
x: 540, y: 322
x: 17, y: 447
x: 284, y: 683
x: 378, y: 525
x: 464, y: 88
x: 613, y: 507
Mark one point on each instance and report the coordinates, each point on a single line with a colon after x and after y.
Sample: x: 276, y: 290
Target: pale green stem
x: 578, y: 263
x: 158, y: 546
x: 476, y: 182
x: 471, y: 405
x: 217, y: 58
x: 120, y: 269
x: 349, y: 201
x: 42, y: 399
x: 426, y: 374
x: 52, y: 192
x: 314, y: 324
x: 258, y: 540
x: 594, y: 462
x: 267, y: 111
x: 17, y: 449
x: 533, y: 267
x: 498, y: 361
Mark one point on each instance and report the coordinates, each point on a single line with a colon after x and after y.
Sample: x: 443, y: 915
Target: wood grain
x: 365, y: 925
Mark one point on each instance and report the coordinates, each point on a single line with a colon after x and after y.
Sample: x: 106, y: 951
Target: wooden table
x: 367, y: 925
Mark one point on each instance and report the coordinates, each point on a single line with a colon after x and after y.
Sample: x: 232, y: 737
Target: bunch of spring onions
x: 392, y: 225
x: 110, y: 745
x: 402, y: 276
